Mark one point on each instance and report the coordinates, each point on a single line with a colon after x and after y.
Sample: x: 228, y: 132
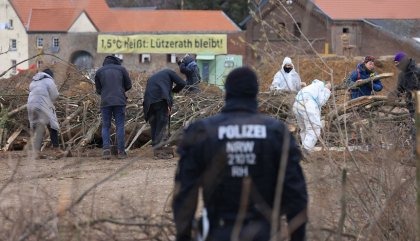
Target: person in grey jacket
x: 41, y: 111
x: 112, y: 81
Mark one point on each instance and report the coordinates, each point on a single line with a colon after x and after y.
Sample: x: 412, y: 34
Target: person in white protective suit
x: 287, y: 78
x: 307, y: 109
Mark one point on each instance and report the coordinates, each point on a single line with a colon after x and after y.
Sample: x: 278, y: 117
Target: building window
x: 171, y: 58
x: 144, y: 58
x: 39, y: 42
x: 14, y: 62
x: 55, y: 47
x: 346, y: 30
x: 13, y: 44
x: 39, y: 64
x: 10, y: 25
x: 296, y: 31
x: 56, y: 42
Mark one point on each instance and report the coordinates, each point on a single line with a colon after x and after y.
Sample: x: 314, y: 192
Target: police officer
x: 237, y: 157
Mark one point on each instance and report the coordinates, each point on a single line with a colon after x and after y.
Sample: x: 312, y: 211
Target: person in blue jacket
x: 188, y: 66
x: 235, y: 158
x: 363, y: 71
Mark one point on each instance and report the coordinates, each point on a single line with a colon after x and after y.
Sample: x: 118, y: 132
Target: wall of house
x: 236, y: 43
x: 17, y: 32
x: 277, y: 35
x: 87, y: 43
x: 377, y: 42
x: 69, y: 43
x: 354, y: 33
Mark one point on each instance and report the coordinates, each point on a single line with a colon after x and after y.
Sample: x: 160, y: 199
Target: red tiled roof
x: 171, y: 21
x: 48, y: 19
x: 120, y: 20
x: 370, y: 9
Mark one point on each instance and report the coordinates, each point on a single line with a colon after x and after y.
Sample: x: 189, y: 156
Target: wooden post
x: 418, y: 161
x: 326, y: 48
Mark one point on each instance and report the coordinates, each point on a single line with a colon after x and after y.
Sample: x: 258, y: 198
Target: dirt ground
x: 141, y: 190
x: 44, y: 187
x: 145, y: 179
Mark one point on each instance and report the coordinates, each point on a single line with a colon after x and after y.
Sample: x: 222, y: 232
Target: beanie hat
x: 399, y: 56
x: 369, y: 59
x: 48, y: 72
x: 241, y: 83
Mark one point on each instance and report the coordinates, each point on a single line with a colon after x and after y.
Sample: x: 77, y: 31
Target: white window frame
x: 39, y: 42
x: 39, y: 64
x: 13, y: 42
x: 10, y: 24
x: 173, y: 58
x: 14, y: 69
x: 145, y: 57
x: 54, y: 41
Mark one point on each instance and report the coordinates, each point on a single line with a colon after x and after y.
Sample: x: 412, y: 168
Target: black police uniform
x: 158, y: 100
x: 218, y: 154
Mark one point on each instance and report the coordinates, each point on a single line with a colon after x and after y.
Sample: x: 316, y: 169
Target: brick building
x: 71, y: 29
x: 366, y: 27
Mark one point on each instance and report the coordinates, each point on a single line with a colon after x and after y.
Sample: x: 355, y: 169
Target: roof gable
x: 82, y: 24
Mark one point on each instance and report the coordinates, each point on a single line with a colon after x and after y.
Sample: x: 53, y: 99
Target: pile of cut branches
x: 79, y: 113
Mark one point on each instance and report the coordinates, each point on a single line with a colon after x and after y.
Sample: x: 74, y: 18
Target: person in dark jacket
x: 363, y: 71
x: 237, y: 157
x: 112, y: 81
x: 408, y: 82
x: 190, y: 69
x: 157, y: 104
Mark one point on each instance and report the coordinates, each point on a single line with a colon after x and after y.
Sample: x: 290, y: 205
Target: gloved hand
x: 322, y: 123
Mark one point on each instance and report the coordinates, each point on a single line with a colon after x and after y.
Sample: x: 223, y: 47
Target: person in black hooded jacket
x: 157, y: 104
x: 408, y: 82
x: 190, y: 69
x: 112, y: 81
x: 237, y: 157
